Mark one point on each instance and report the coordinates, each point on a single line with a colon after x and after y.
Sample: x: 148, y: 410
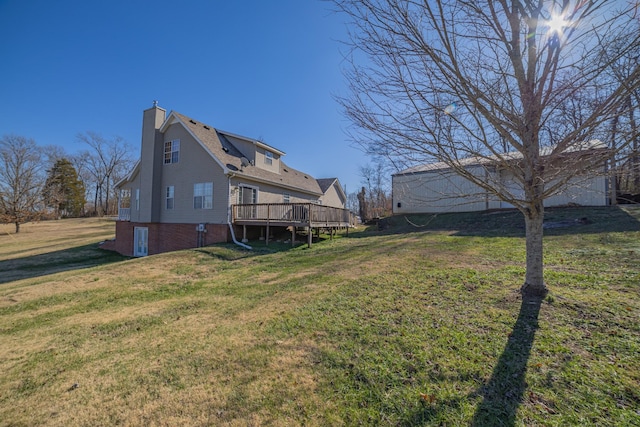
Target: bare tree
x: 105, y: 162
x: 21, y: 180
x: 449, y: 80
x: 374, y: 178
x: 622, y: 61
x: 352, y: 202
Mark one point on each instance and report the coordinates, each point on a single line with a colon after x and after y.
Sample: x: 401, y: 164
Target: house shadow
x: 76, y: 258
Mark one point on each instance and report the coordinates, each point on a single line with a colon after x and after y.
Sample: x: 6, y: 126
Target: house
x: 196, y: 185
x: 332, y: 192
x: 436, y: 188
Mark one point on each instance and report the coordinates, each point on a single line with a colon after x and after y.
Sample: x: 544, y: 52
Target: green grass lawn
x: 415, y: 322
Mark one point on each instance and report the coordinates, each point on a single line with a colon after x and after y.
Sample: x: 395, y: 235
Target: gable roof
x: 218, y: 144
x: 325, y: 183
x: 130, y: 175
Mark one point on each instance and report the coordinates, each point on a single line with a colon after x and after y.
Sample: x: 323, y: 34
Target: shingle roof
x: 218, y: 143
x: 325, y: 183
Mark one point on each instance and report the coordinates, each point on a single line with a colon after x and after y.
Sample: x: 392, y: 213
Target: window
x: 169, y: 204
x: 125, y: 198
x: 171, y: 151
x: 286, y: 198
x: 203, y: 195
x: 137, y: 199
x: 268, y: 157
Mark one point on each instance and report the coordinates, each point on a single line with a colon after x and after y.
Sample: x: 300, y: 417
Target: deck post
x: 310, y: 236
x: 268, y: 218
x: 244, y: 234
x: 293, y: 236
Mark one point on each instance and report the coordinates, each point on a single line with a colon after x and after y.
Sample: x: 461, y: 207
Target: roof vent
x: 225, y: 149
x: 285, y: 169
x: 191, y: 120
x: 206, y: 127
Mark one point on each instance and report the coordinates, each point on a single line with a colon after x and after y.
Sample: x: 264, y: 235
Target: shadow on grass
x: 504, y: 392
x: 510, y: 223
x: 231, y: 251
x: 55, y: 262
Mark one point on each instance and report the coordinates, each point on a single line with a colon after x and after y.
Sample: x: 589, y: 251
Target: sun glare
x: 557, y: 24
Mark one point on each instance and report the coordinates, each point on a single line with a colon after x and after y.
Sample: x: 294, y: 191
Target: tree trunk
x: 95, y: 200
x: 17, y: 227
x: 106, y: 207
x: 534, y: 281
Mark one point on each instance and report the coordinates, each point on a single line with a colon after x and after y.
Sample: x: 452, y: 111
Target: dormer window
x: 171, y: 151
x: 268, y: 157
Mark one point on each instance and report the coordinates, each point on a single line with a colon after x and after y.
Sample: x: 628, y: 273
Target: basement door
x: 140, y: 241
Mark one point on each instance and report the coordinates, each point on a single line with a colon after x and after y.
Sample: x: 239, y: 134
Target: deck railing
x: 124, y: 214
x: 300, y: 214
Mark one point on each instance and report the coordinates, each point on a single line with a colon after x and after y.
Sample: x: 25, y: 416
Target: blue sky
x: 263, y: 69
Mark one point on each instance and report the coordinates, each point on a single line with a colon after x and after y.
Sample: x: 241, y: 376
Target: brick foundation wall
x: 165, y: 237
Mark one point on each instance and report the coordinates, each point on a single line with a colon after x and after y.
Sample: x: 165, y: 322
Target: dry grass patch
x: 40, y: 237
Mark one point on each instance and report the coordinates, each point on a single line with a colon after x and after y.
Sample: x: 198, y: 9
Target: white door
x: 248, y: 195
x: 140, y: 241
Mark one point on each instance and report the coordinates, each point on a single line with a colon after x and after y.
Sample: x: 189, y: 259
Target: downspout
x: 233, y: 234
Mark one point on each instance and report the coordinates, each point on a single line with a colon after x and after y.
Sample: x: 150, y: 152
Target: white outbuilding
x: 437, y: 188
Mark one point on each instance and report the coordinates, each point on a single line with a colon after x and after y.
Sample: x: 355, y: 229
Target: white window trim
x: 172, y: 198
x: 252, y: 187
x: 207, y: 199
x: 174, y: 150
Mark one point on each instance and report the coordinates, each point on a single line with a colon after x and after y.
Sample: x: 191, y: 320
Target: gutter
x: 233, y: 234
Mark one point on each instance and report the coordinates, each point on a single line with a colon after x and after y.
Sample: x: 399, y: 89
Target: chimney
x: 151, y: 163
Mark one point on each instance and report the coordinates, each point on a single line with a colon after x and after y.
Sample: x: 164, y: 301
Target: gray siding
x: 133, y: 186
x: 195, y: 166
x: 332, y: 197
x: 269, y: 193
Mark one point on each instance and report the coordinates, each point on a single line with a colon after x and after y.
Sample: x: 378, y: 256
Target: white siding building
x: 436, y: 188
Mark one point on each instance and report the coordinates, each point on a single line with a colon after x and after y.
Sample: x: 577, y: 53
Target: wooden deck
x: 307, y: 215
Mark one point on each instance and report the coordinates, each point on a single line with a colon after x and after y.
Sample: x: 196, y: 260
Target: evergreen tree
x: 64, y: 191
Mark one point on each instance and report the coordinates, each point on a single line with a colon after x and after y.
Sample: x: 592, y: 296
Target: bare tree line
x: 25, y: 167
